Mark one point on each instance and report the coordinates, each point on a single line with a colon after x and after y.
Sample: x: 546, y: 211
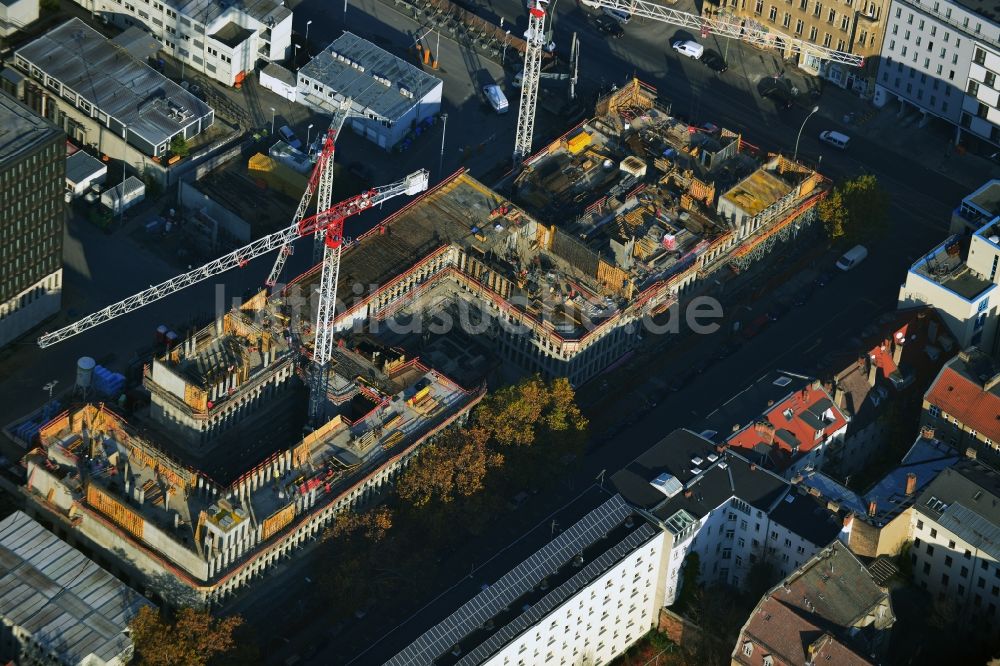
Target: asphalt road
x: 103, y: 268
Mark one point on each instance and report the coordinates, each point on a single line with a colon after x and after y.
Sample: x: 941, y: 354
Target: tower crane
x: 726, y: 26
x: 329, y: 223
x: 323, y: 202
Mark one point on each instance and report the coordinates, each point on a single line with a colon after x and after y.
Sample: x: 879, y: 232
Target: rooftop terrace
x: 945, y: 265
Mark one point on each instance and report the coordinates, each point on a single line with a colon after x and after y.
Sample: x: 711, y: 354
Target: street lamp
x: 307, y: 34
x: 296, y: 54
x: 503, y: 58
x: 795, y: 157
x: 308, y: 133
x: 121, y: 195
x: 444, y: 129
x: 272, y: 121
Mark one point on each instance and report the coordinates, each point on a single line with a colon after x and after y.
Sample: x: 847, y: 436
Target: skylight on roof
x: 782, y: 381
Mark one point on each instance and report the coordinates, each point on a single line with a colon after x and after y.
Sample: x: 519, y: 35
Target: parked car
x: 689, y: 48
x: 619, y: 15
x: 714, y: 61
x: 776, y: 91
x: 802, y: 296
x: 609, y: 26
x: 777, y: 311
x: 835, y: 139
x: 756, y: 326
x: 823, y: 279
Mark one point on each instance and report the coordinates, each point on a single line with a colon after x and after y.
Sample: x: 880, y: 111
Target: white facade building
x: 959, y: 279
x: 224, y: 40
x: 389, y: 96
x: 581, y: 599
x: 16, y: 14
x: 955, y: 553
x: 729, y: 511
x: 943, y: 57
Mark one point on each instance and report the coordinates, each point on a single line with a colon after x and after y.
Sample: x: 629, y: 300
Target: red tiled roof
x: 784, y: 634
x: 774, y: 428
x: 965, y: 400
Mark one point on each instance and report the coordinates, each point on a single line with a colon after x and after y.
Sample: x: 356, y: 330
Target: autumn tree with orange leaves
x: 191, y: 638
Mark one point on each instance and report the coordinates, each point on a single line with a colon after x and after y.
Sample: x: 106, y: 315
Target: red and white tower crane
x: 327, y: 224
x: 316, y: 180
x: 733, y: 27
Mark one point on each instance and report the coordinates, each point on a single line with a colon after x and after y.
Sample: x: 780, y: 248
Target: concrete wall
x: 288, y: 91
x: 221, y: 223
x: 31, y: 307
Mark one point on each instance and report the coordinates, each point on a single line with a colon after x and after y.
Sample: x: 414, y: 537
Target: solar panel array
x: 533, y: 615
x: 522, y: 578
x: 64, y: 600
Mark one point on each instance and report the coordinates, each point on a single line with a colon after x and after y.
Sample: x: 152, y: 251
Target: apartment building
x: 223, y: 40
x: 877, y: 521
x: 959, y: 279
x: 583, y: 598
x: 16, y: 15
x: 32, y: 209
x: 830, y: 610
x: 955, y: 552
x: 900, y: 354
x: 963, y: 403
x: 714, y: 502
x: 943, y: 58
x: 854, y: 26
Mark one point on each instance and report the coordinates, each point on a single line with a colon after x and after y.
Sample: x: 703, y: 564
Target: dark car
x: 360, y: 171
x: 777, y: 311
x: 756, y: 326
x: 775, y: 90
x: 726, y: 350
x: 608, y: 26
x: 802, y: 296
x: 823, y: 279
x: 714, y: 61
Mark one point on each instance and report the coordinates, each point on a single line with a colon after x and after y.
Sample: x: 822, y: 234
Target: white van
x: 852, y: 257
x: 617, y: 14
x: 835, y: 139
x: 494, y: 95
x: 689, y: 48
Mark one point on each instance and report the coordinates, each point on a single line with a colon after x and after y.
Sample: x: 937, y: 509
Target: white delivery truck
x: 494, y: 95
x: 835, y: 139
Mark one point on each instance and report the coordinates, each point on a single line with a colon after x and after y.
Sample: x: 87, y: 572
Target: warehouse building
x: 56, y: 606
x: 223, y: 40
x: 389, y: 96
x: 33, y: 163
x: 96, y: 90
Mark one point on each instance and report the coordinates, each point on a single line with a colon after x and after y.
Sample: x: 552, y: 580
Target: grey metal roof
x: 80, y: 166
x: 206, y: 11
x: 276, y: 71
x: 137, y: 42
x: 965, y: 499
x: 65, y: 601
x: 524, y: 577
x: 130, y: 186
x: 367, y: 93
x: 21, y: 129
x: 973, y: 528
x: 104, y: 74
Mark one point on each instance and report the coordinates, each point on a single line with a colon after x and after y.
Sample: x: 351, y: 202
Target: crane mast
x: 339, y: 117
x: 529, y: 82
x: 726, y: 26
x: 335, y: 216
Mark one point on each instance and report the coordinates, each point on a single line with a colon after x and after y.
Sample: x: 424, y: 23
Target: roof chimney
x: 838, y: 396
x: 897, y: 351
x: 911, y: 484
x: 753, y: 467
x: 873, y: 508
x: 927, y: 432
x: 970, y: 453
x: 688, y: 493
x: 872, y: 371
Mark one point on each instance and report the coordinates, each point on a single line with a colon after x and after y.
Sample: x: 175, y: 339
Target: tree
x: 191, y: 638
x: 373, y: 525
x: 49, y: 5
x: 857, y: 209
x: 690, y: 572
x: 179, y: 146
x: 454, y: 466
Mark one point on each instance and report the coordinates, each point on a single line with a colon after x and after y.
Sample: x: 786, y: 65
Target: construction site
x: 214, y: 483
x: 396, y: 335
